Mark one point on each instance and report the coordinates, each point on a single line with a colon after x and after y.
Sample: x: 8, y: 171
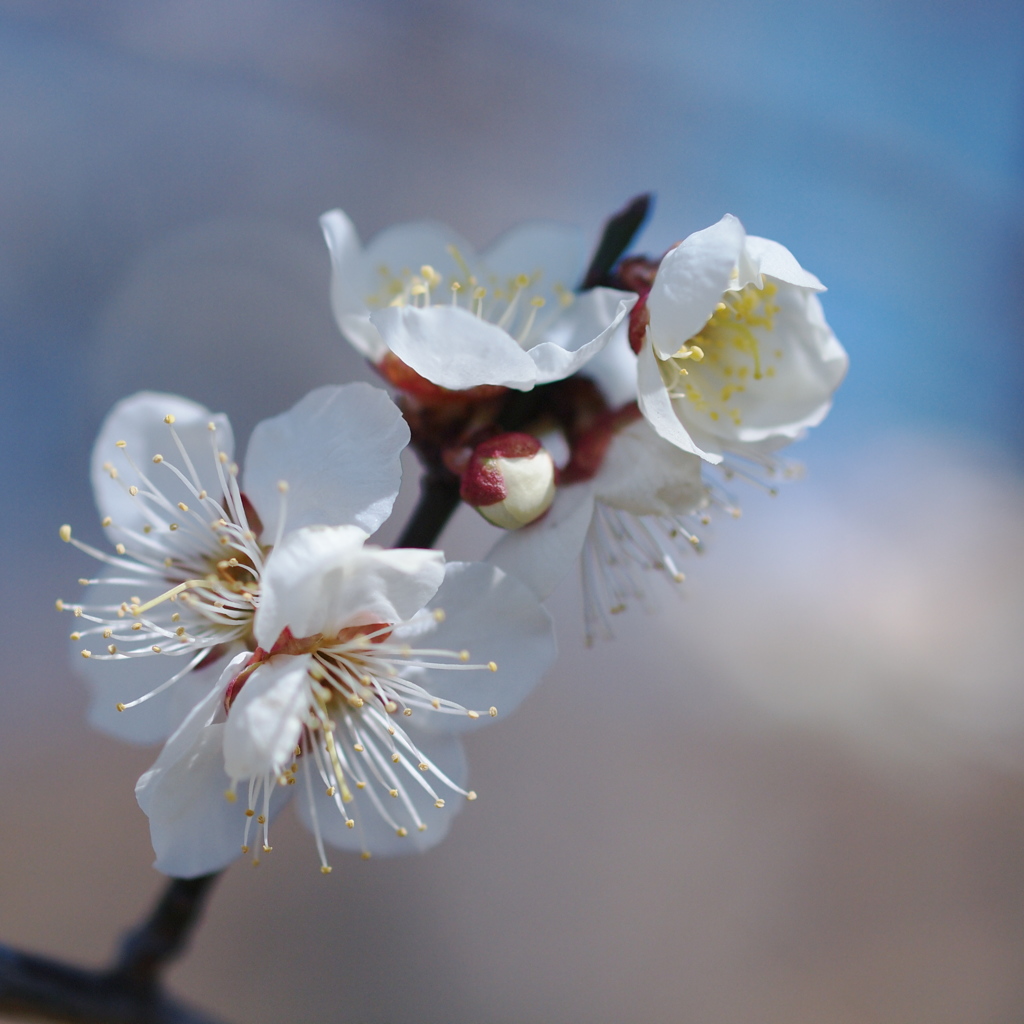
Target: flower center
x: 512, y: 303
x: 191, y: 568
x: 362, y: 690
x: 727, y: 355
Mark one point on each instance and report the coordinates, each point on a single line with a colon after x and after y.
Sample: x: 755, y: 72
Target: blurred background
x: 794, y: 795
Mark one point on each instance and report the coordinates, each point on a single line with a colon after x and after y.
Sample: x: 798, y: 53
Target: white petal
x: 194, y: 829
x: 646, y: 475
x: 777, y: 261
x: 552, y: 254
x: 455, y: 349
x: 139, y: 422
x: 690, y: 282
x: 658, y: 410
x: 266, y: 719
x: 323, y: 579
x: 495, y: 618
x: 188, y: 734
x: 402, y: 249
x: 338, y: 449
x: 348, y: 286
x: 371, y: 832
x: 541, y: 554
x: 580, y: 332
x: 775, y: 410
x: 114, y: 682
x: 613, y: 370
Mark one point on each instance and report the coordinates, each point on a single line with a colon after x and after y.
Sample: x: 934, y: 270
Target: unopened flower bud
x: 509, y: 480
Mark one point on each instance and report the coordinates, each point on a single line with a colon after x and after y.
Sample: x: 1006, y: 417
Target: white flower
x: 191, y: 536
x: 635, y: 510
x: 508, y: 318
x: 737, y: 355
x: 357, y: 690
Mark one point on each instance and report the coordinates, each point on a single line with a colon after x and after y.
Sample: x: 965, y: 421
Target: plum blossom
x: 192, y: 534
x: 634, y: 505
x: 418, y: 298
x: 361, y: 681
x: 736, y: 355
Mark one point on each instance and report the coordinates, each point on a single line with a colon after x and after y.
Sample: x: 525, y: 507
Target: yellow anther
x: 107, y: 633
x: 493, y: 666
x: 282, y: 486
x: 471, y: 795
x: 249, y: 812
x: 119, y: 548
x: 439, y: 803
x: 521, y: 281
x: 83, y: 581
x: 538, y: 302
x: 358, y: 747
x: 169, y: 418
x: 180, y: 631
x: 359, y: 785
x: 439, y: 615
x: 182, y: 506
x: 262, y: 819
x: 330, y: 791
x: 133, y: 490
x: 401, y: 832
x: 120, y: 706
x: 155, y: 649
x: 325, y: 869
x: 435, y: 703
x: 463, y: 655
x: 390, y: 707
x: 349, y: 823
x: 121, y: 444
x: 230, y: 796
x: 76, y: 636
x: 136, y: 626
x: 59, y: 605
x: 407, y: 712
x: 267, y: 849
x: 393, y: 792
x: 158, y: 459
x: 423, y: 766
x: 473, y: 714
x: 65, y: 533
x: 112, y: 648
x: 86, y: 654
x: 365, y: 855
x: 172, y: 527
x: 493, y: 712
x: 211, y: 425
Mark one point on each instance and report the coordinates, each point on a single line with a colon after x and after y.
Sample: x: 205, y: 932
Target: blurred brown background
x: 793, y: 795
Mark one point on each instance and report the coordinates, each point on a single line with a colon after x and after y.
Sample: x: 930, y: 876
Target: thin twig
x: 618, y: 232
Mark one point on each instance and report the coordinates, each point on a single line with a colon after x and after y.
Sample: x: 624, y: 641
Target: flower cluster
x: 715, y: 355
x: 580, y: 412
